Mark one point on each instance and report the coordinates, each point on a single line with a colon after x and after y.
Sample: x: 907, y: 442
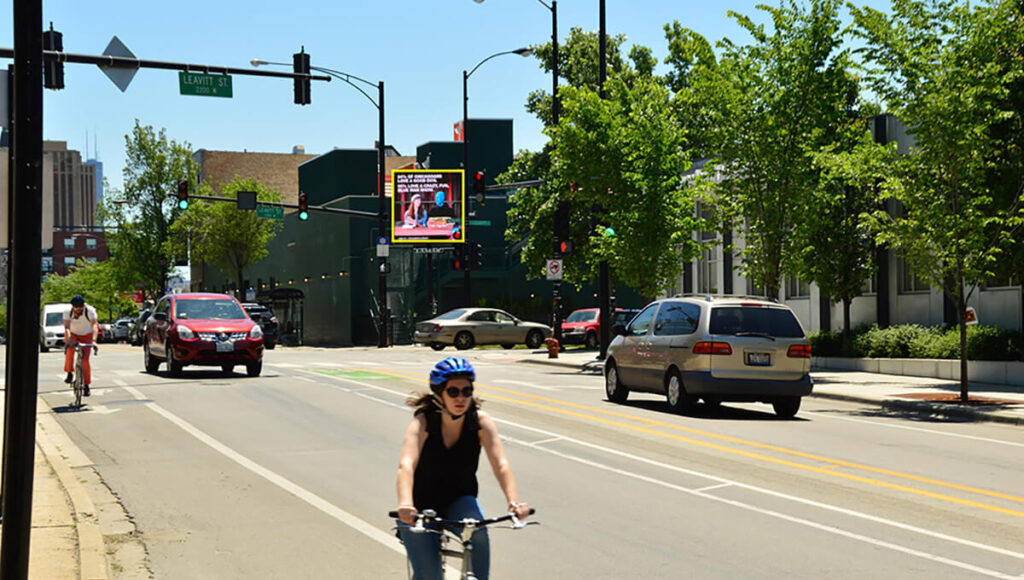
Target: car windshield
x: 208, y: 309
x: 451, y: 315
x: 766, y: 321
x: 582, y: 316
x: 54, y: 319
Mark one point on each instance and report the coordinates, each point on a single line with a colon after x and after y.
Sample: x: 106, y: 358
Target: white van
x: 51, y: 326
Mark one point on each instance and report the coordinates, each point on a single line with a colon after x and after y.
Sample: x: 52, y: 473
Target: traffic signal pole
x: 382, y: 226
x: 603, y: 278
x: 26, y: 254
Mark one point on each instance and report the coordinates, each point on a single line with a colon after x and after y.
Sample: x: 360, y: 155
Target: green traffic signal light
x: 183, y: 203
x: 303, y: 215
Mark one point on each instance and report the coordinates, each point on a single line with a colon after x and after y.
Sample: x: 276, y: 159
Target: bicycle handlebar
x: 443, y: 522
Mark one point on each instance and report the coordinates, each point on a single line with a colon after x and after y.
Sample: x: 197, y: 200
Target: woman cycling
x: 438, y: 466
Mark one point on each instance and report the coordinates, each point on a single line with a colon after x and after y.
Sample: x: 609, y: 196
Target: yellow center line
x: 538, y: 402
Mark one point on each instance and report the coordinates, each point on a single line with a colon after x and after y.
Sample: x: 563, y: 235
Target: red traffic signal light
x: 565, y: 247
x: 480, y: 186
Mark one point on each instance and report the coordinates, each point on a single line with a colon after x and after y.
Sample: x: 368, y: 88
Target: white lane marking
x: 329, y: 364
x: 283, y: 365
x: 127, y: 372
x: 911, y: 428
x: 524, y: 384
x: 309, y: 497
x: 712, y: 487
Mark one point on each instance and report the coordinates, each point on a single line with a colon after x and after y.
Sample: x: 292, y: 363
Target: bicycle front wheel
x: 79, y: 385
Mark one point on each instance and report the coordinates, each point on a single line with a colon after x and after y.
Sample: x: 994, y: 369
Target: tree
x: 220, y: 233
x: 946, y: 69
x: 143, y: 212
x: 98, y: 282
x: 760, y: 111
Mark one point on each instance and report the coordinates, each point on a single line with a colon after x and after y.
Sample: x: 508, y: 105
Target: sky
x: 418, y: 48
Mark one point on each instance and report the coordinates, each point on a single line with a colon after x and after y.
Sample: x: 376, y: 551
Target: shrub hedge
x: 916, y: 341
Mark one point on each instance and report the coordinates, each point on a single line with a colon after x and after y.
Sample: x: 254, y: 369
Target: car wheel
x: 508, y: 346
x: 437, y: 346
x: 253, y: 369
x: 613, y: 387
x: 464, y: 340
x: 786, y: 406
x: 534, y: 339
x: 43, y: 347
x: 173, y: 367
x: 227, y: 369
x: 270, y: 345
x: 152, y: 364
x: 591, y: 340
x: 675, y: 393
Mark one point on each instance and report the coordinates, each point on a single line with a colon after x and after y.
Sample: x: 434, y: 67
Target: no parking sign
x: 554, y: 269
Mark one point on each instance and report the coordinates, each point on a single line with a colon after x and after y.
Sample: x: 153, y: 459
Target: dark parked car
x: 138, y: 329
x: 264, y: 316
x: 202, y: 329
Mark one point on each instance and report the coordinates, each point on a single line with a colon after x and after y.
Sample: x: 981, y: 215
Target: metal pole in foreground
x: 604, y: 281
x: 465, y: 173
x: 26, y: 256
x: 382, y: 225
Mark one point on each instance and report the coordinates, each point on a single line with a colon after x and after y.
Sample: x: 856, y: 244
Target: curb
x: 91, y: 547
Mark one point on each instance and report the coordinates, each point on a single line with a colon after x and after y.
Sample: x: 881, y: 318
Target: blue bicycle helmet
x: 77, y: 300
x: 450, y: 367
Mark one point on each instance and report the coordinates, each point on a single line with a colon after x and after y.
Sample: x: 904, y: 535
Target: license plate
x: 759, y: 359
x: 225, y: 347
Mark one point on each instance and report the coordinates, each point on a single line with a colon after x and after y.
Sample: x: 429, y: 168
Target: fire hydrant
x: 552, y: 345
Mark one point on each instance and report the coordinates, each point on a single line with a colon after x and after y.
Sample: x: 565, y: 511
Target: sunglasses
x: 454, y: 392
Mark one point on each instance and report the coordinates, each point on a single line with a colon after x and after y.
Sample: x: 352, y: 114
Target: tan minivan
x: 714, y: 348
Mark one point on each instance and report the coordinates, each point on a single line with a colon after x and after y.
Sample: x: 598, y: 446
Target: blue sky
x: 419, y: 49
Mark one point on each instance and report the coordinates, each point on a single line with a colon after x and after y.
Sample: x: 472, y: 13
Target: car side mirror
x: 619, y: 330
x: 160, y: 316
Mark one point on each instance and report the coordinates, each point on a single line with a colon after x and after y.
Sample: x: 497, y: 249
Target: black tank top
x: 444, y: 474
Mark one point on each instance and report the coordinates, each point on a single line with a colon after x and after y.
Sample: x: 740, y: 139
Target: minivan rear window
x: 732, y: 320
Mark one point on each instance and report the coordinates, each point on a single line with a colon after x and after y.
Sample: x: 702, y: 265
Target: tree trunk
x: 241, y: 288
x: 846, y: 324
x: 961, y: 305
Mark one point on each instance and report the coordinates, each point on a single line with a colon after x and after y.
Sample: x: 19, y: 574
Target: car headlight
x: 255, y: 331
x: 185, y: 332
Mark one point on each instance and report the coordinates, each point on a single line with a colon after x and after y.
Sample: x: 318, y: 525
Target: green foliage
x: 915, y: 341
x: 141, y: 214
x: 98, y: 282
x: 221, y: 234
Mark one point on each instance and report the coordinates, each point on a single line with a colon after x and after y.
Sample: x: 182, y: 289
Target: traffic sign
x: 270, y: 212
x: 383, y: 248
x: 430, y: 250
x: 204, y: 85
x: 554, y: 269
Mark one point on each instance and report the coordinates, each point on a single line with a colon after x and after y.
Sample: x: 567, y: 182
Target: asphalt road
x: 291, y: 475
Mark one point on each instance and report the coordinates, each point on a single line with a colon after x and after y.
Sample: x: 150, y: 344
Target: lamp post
x: 382, y: 276
x: 465, y: 122
x: 603, y: 278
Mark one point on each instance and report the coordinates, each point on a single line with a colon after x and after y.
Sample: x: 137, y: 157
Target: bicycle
x: 78, y: 383
x: 449, y: 531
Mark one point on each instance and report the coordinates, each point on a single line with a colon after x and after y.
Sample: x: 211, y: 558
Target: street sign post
x: 204, y: 85
x: 270, y: 212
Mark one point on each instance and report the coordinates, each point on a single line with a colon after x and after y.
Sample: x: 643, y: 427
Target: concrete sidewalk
x: 65, y: 542
x: 935, y: 397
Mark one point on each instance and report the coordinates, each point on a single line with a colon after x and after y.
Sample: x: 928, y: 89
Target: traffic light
x: 303, y: 207
x: 300, y: 65
x: 183, y: 194
x: 480, y: 186
x: 476, y: 256
x: 565, y: 247
x: 459, y: 257
x: 53, y: 70
x: 563, y: 233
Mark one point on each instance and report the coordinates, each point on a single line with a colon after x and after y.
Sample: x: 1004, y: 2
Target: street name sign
x: 270, y: 212
x: 204, y: 85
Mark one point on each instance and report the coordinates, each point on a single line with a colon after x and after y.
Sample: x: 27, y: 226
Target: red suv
x: 202, y: 329
x: 584, y: 327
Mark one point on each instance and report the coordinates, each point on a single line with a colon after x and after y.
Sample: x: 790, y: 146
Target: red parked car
x: 202, y: 329
x: 584, y: 327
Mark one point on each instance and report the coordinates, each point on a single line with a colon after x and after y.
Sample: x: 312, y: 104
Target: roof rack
x: 713, y: 297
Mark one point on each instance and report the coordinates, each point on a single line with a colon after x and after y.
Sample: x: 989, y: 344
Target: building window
x: 870, y: 286
x: 797, y: 288
x: 90, y: 259
x: 909, y: 282
x: 69, y: 261
x: 754, y: 289
x: 69, y: 242
x: 47, y: 264
x: 90, y: 243
x: 707, y: 271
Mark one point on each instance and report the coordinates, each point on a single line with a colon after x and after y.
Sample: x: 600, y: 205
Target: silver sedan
x: 467, y: 327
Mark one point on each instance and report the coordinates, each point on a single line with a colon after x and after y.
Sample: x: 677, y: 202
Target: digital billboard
x: 428, y: 206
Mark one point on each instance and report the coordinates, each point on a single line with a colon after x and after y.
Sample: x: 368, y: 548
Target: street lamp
x: 382, y: 277
x: 465, y: 118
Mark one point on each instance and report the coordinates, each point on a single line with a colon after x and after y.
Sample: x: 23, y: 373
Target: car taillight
x: 185, y: 333
x: 708, y: 347
x: 800, y: 351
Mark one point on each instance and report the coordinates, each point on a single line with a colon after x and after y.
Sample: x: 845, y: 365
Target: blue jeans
x: 424, y: 550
